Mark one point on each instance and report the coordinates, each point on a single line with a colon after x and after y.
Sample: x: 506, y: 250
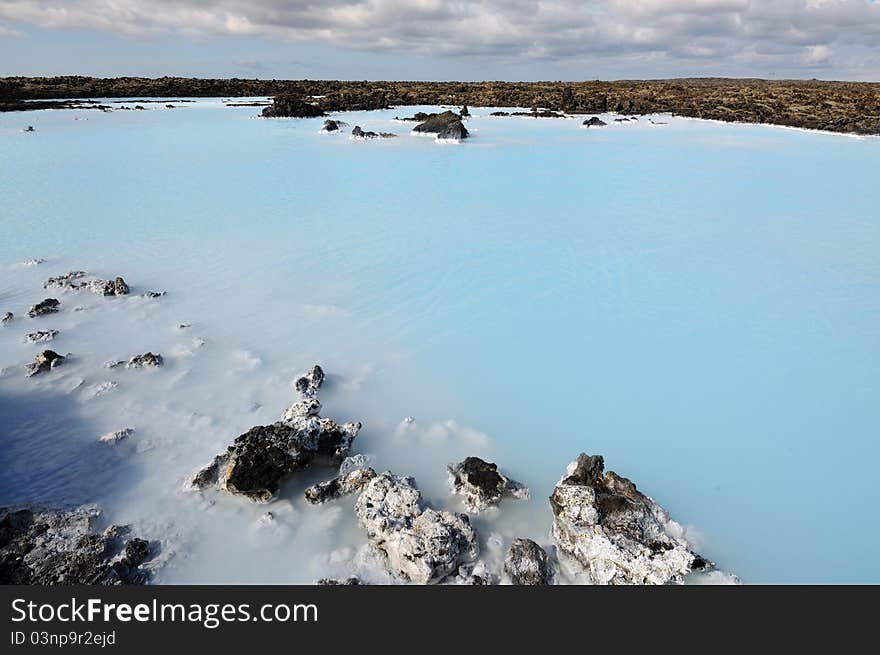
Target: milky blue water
x: 698, y: 302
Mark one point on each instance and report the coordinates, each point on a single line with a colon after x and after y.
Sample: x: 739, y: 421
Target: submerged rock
x: 142, y: 361
x: 41, y: 336
x: 44, y: 362
x: 619, y: 535
x: 342, y: 485
x: 481, y: 485
x: 258, y: 461
x: 527, y: 563
x: 7, y: 318
x: 47, y: 306
x: 595, y: 121
x: 418, y: 544
x: 48, y: 547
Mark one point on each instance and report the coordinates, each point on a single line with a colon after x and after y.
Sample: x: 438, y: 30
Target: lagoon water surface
x: 697, y: 302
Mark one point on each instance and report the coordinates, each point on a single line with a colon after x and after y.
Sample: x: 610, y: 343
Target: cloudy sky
x: 443, y: 39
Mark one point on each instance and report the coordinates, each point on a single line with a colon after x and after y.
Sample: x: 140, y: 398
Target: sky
x: 443, y: 39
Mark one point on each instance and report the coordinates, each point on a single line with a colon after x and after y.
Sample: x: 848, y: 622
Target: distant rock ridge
x: 836, y: 106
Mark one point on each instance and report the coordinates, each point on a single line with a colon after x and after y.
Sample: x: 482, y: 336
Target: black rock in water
x: 527, y: 563
x: 436, y: 123
x: 7, y: 318
x: 481, y: 485
x: 595, y: 121
x: 464, y: 113
x: 454, y: 131
x: 47, y: 306
x: 332, y: 126
x: 44, y: 362
x: 258, y: 461
x: 147, y: 359
x: 309, y: 383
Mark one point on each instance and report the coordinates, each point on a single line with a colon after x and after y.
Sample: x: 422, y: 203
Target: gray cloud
x: 808, y: 34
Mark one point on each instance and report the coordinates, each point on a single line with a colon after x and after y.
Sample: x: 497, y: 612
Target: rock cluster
x: 480, y: 484
x: 527, y: 563
x: 46, y: 547
x: 595, y: 121
x: 44, y: 362
x: 78, y: 280
x: 616, y: 533
x: 43, y: 308
x: 259, y: 460
x: 418, y: 544
x: 7, y: 318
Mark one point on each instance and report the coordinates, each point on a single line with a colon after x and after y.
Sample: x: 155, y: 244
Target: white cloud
x: 749, y: 32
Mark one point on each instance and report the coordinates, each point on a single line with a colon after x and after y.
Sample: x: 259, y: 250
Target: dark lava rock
x: 358, y: 133
x: 147, y: 359
x: 619, y: 535
x: 258, y: 460
x: 595, y: 121
x: 137, y: 551
x: 500, y: 113
x: 332, y: 126
x: 48, y: 306
x: 464, y: 113
x: 292, y: 106
x: 418, y: 117
x: 44, y: 362
x: 481, y: 485
x: 309, y: 383
x: 527, y: 563
x: 59, y: 547
x: 454, y: 131
x: 7, y: 318
x: 436, y: 123
x: 154, y: 294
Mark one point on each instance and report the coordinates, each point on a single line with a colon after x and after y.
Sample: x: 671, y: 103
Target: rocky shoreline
x: 846, y: 107
x: 603, y: 527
